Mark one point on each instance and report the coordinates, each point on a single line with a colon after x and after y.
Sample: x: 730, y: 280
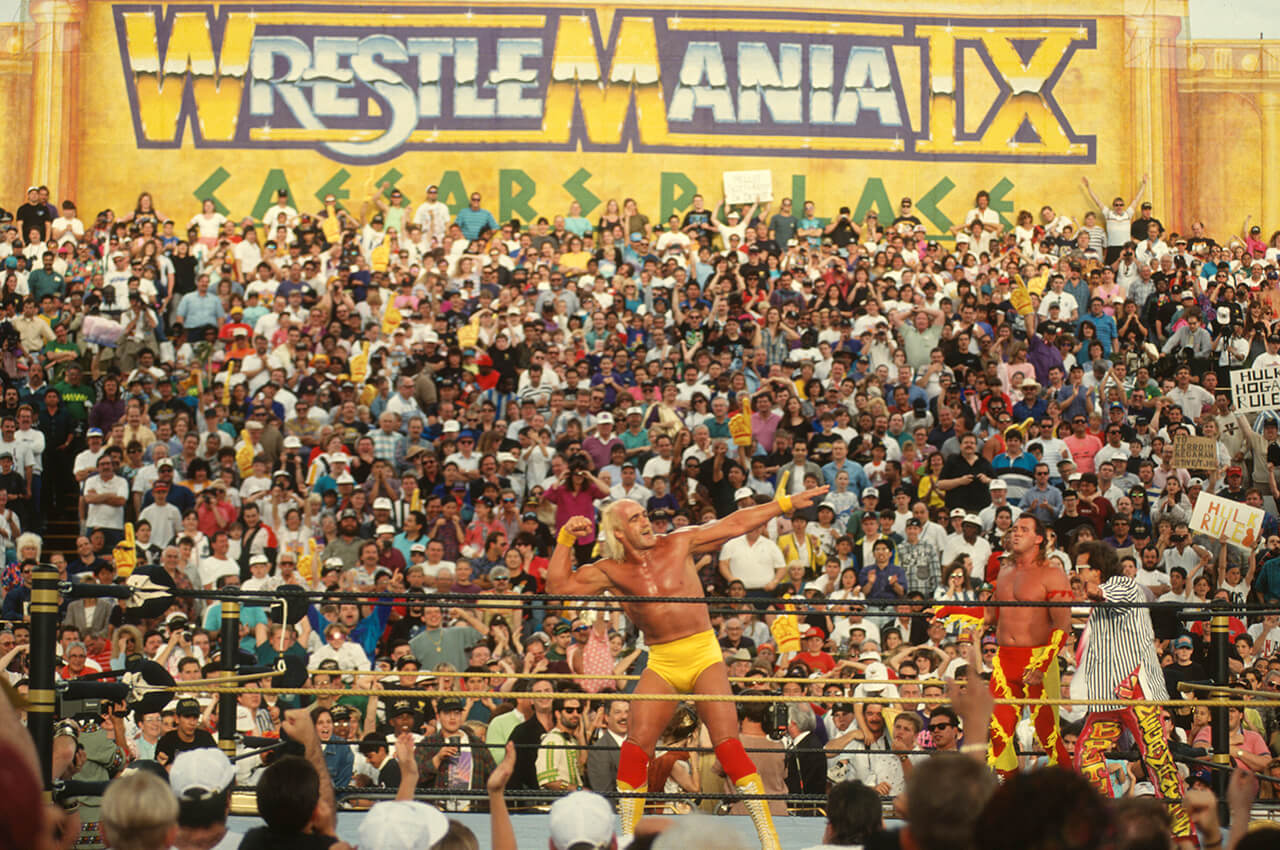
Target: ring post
x: 1219, y: 634
x: 44, y: 639
x: 230, y: 652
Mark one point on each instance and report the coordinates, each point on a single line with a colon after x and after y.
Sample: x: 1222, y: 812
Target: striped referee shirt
x: 1120, y: 640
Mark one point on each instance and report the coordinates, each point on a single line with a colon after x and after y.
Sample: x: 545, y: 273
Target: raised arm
x: 1142, y: 190
x: 588, y: 579
x: 712, y: 535
x: 1084, y: 181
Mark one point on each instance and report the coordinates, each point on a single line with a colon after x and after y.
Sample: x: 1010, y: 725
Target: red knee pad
x: 734, y: 759
x: 633, y: 765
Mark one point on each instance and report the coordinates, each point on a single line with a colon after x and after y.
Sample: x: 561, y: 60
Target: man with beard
x: 562, y: 754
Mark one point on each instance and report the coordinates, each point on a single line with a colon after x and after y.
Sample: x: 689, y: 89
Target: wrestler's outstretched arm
x: 712, y: 535
x: 588, y: 579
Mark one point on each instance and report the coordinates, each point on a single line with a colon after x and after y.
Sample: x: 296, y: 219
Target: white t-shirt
x: 1264, y: 646
x: 1119, y: 225
x: 987, y: 216
x: 754, y: 564
x: 212, y: 569
x: 106, y: 516
x: 166, y: 521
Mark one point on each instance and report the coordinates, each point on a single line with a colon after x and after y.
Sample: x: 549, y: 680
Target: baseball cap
x: 604, y: 418
x: 259, y: 559
x: 957, y: 512
x: 187, y: 708
x: 581, y: 820
x: 399, y: 707
x: 292, y: 443
x: 385, y: 528
x: 999, y: 484
x: 876, y: 671
x: 870, y: 493
x: 94, y: 432
x: 206, y: 770
x: 402, y: 825
x: 450, y: 704
x: 382, y: 503
x: 743, y: 493
x: 814, y: 632
x: 1182, y: 642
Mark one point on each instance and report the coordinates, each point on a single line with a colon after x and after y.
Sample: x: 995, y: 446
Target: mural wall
x: 537, y: 105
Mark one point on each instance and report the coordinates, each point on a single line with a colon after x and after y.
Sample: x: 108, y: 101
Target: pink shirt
x: 1083, y: 449
x: 570, y: 504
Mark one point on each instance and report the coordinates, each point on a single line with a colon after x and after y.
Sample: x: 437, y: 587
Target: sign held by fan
x: 1195, y: 452
x: 1217, y: 517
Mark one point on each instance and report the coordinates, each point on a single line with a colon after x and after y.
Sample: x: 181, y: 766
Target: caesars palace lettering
x: 366, y: 86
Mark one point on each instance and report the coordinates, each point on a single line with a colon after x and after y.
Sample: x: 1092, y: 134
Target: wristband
x: 564, y: 538
x: 973, y: 748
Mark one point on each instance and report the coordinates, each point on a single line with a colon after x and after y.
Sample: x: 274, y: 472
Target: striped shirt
x: 558, y: 760
x: 1118, y: 641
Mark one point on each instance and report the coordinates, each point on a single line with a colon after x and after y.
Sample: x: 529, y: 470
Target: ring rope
x: 630, y: 677
x: 419, y: 694
x: 612, y: 602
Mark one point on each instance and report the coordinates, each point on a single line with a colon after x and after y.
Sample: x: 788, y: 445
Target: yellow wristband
x: 564, y: 538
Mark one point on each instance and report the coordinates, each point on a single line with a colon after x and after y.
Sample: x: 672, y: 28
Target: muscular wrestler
x: 684, y: 654
x: 1026, y: 662
x: 1119, y: 660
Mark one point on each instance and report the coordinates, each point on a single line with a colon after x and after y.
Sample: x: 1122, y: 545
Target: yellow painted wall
x: 102, y: 128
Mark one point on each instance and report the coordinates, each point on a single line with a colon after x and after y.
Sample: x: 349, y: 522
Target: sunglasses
x: 581, y: 628
x: 938, y: 727
x: 569, y: 710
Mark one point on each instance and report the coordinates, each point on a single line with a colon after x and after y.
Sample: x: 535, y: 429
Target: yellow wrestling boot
x: 759, y: 811
x: 631, y: 809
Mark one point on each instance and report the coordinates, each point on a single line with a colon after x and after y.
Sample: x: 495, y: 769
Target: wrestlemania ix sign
x: 363, y: 84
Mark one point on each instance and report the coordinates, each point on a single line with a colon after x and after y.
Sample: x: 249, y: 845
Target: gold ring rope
x: 747, y: 697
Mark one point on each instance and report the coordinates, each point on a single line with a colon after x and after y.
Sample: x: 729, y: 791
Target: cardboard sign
x: 1215, y: 516
x: 1195, y: 452
x: 746, y: 187
x: 1257, y: 389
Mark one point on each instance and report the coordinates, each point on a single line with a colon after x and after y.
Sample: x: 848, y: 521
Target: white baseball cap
x: 743, y: 493
x: 402, y: 825
x: 385, y: 528
x: 382, y: 503
x: 604, y: 418
x: 207, y: 770
x: 581, y: 818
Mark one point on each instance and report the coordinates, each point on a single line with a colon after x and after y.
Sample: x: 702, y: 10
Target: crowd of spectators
x: 392, y: 396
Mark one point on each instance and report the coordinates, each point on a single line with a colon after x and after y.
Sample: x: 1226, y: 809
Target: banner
x: 1195, y: 452
x: 1215, y: 516
x: 748, y: 187
x: 538, y: 105
x: 1254, y: 390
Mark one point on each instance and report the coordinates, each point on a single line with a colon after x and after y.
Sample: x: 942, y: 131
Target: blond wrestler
x: 684, y: 654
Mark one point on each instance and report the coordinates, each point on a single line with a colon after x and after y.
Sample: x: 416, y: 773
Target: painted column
x: 55, y: 94
x: 1151, y: 68
x: 1269, y: 107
